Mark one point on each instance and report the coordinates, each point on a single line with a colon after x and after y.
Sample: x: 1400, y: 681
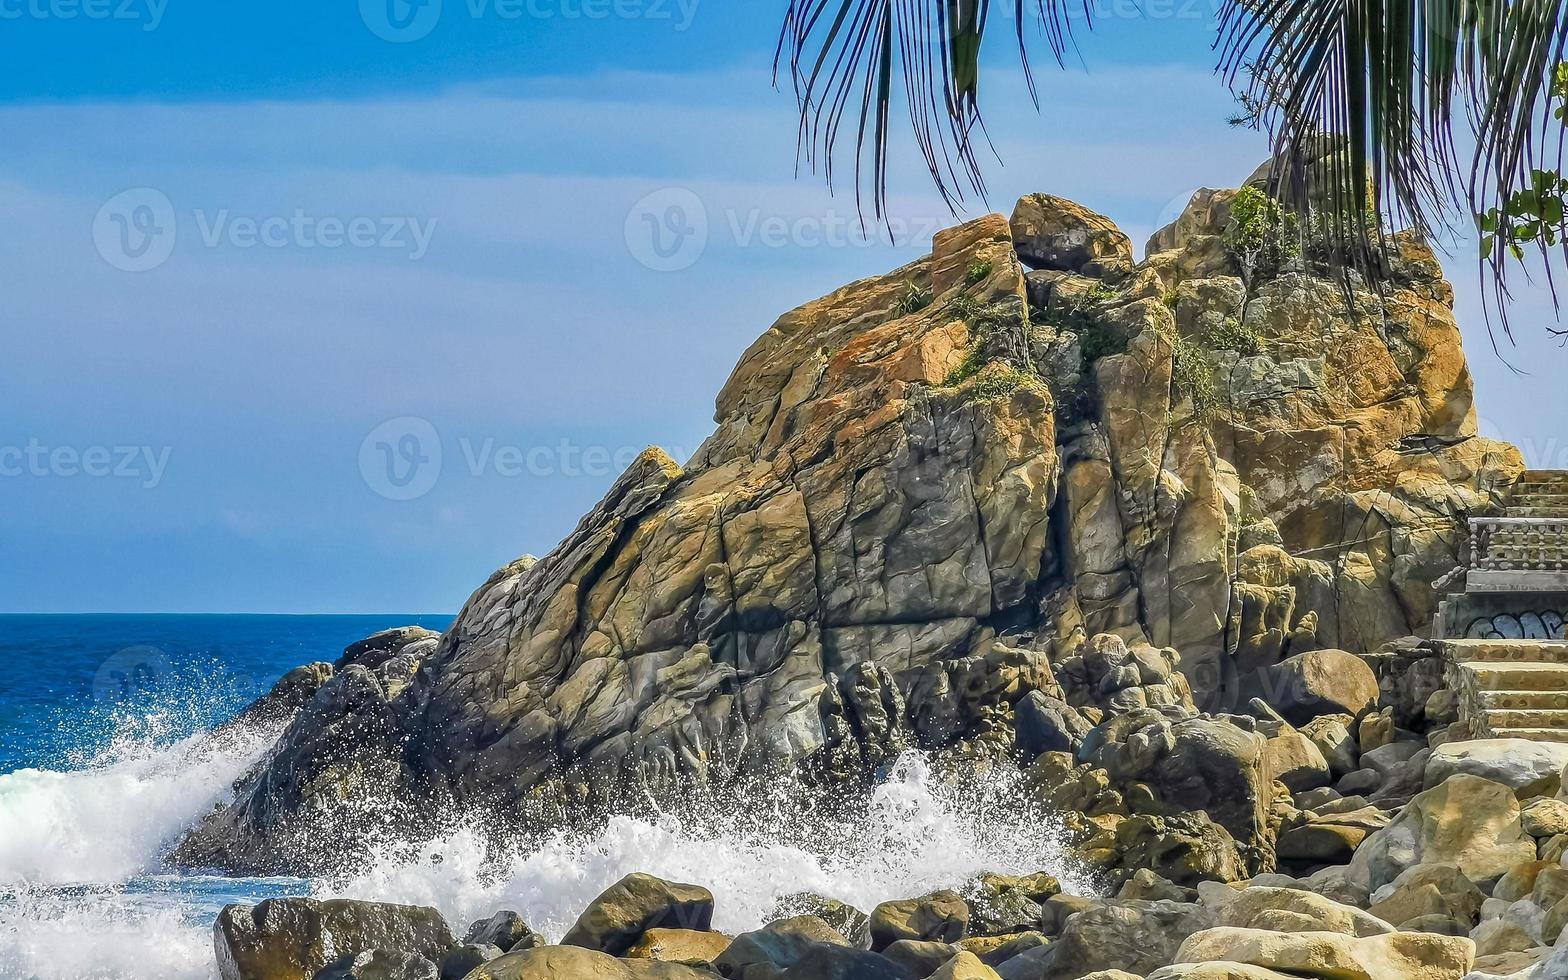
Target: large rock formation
x: 926, y: 493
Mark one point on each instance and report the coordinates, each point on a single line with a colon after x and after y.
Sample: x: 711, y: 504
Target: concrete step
x: 1509, y: 651
x: 1540, y: 718
x: 1533, y: 734
x: 1520, y: 676
x: 1524, y: 701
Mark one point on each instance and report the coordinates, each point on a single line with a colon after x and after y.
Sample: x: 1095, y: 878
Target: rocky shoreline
x: 1159, y: 538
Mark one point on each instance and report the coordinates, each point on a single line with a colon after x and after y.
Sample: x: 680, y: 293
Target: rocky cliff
x: 977, y: 505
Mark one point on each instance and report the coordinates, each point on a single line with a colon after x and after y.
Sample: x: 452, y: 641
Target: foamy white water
x: 916, y: 836
x: 107, y: 822
x: 80, y: 896
x: 71, y: 841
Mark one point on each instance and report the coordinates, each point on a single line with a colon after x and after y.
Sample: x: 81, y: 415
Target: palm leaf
x: 846, y: 59
x: 1397, y: 82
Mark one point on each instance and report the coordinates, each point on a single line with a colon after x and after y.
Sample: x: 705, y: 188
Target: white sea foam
x: 77, y: 849
x: 107, y: 822
x: 99, y: 935
x: 70, y: 841
x: 915, y: 835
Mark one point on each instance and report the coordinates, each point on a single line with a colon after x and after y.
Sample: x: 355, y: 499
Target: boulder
x: 1469, y: 822
x: 1332, y: 956
x: 1502, y: 936
x: 1332, y: 737
x: 1527, y: 767
x: 1295, y: 760
x: 965, y: 966
x: 467, y: 958
x: 1056, y: 234
x: 919, y: 958
x: 1217, y: 971
x: 1322, y: 682
x: 505, y: 930
x: 994, y: 950
x: 1136, y: 937
x: 381, y: 964
x: 1544, y: 818
x: 580, y: 963
x: 1520, y: 882
x: 679, y: 946
x: 763, y: 954
x: 848, y: 921
x: 1426, y: 890
x: 1001, y: 905
x: 296, y: 938
x: 1293, y: 910
x: 833, y: 962
x: 941, y: 916
x: 613, y: 922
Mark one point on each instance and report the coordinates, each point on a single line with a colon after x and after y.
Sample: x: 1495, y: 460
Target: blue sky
x: 254, y: 262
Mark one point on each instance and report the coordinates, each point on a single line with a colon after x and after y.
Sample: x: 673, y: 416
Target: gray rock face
x: 297, y: 938
x: 919, y: 496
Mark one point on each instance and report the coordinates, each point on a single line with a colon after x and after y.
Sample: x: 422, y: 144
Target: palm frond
x: 848, y: 59
x: 1391, y: 82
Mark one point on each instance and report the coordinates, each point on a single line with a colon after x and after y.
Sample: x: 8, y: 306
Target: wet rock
x: 679, y: 946
x: 467, y: 958
x: 848, y: 921
x: 832, y: 962
x: 504, y: 930
x: 296, y: 938
x: 765, y: 953
x: 615, y: 920
x: 918, y: 958
x: 382, y: 964
x: 1002, y: 905
x: 964, y: 966
x: 942, y: 916
x: 1137, y: 937
x: 574, y: 962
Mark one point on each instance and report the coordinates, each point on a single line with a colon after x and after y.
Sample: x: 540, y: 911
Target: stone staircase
x: 1510, y: 688
x: 1510, y: 669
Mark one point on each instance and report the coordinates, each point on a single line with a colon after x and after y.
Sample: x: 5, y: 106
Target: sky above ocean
x: 336, y: 307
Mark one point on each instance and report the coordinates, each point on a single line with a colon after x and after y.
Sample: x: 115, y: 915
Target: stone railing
x: 1519, y: 544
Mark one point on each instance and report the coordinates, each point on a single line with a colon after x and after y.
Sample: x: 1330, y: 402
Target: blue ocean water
x: 102, y: 764
x: 71, y: 681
